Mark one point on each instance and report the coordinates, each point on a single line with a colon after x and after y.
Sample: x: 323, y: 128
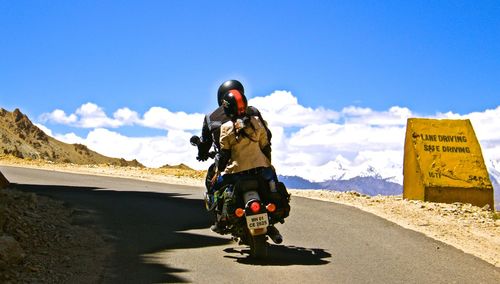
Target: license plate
x: 258, y: 221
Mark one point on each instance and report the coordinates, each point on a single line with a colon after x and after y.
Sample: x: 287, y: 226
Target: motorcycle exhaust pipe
x: 275, y: 235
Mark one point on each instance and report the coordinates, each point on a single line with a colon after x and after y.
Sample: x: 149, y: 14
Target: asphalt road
x: 160, y: 234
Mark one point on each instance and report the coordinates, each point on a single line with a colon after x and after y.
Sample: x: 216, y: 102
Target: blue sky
x: 428, y: 56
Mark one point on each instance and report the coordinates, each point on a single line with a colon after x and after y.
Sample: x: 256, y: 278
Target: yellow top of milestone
x: 448, y: 153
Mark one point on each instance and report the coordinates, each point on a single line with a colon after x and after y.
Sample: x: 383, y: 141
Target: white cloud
x: 281, y: 108
x: 315, y: 143
x: 394, y: 116
x: 363, y: 138
x: 70, y: 138
x: 485, y: 126
x: 162, y: 118
x: 44, y: 129
x: 312, y: 149
x: 59, y: 116
x: 126, y: 116
x: 90, y: 115
x: 354, y: 137
x: 172, y: 149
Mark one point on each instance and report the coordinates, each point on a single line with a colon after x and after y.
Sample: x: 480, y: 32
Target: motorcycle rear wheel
x: 258, y: 246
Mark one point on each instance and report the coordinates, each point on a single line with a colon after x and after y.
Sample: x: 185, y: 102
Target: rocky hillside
x: 19, y: 137
x: 179, y: 167
x: 41, y: 241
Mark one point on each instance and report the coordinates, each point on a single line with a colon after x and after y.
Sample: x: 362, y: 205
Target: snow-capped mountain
x: 494, y: 171
x: 370, y: 185
x: 343, y: 169
x: 384, y: 178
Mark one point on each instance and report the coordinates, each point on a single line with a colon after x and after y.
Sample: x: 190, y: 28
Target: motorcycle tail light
x: 255, y: 207
x: 239, y: 212
x: 271, y: 207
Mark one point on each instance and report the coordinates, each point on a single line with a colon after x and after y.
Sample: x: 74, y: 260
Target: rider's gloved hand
x: 202, y: 156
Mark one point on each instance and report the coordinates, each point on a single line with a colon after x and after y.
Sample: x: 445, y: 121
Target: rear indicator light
x: 255, y: 207
x: 239, y: 212
x: 271, y: 207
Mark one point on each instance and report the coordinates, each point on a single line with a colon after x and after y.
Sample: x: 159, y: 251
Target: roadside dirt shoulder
x: 165, y: 175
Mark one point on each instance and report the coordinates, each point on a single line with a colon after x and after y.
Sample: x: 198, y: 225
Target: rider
x: 211, y: 133
x: 243, y: 139
x: 244, y: 145
x: 211, y: 125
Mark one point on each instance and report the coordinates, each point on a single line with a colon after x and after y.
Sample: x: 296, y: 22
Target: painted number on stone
x: 434, y: 175
x: 476, y: 178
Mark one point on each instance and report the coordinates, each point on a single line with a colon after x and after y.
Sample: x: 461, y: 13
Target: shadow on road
x: 137, y: 224
x: 279, y: 255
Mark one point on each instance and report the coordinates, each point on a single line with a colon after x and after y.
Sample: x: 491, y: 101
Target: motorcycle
x: 248, y: 209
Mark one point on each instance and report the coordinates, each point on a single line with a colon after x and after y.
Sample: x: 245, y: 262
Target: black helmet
x: 226, y: 87
x: 234, y: 104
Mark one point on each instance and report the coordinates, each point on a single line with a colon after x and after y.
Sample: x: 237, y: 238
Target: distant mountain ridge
x: 494, y: 171
x: 376, y: 184
x: 21, y: 138
x: 365, y: 185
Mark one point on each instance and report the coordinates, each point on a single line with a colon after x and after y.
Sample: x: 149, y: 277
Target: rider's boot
x: 216, y: 228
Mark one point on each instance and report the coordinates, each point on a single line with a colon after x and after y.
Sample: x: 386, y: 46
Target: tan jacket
x: 245, y: 153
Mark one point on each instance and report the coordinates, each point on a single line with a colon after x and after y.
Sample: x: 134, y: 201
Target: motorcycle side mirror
x: 195, y: 140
